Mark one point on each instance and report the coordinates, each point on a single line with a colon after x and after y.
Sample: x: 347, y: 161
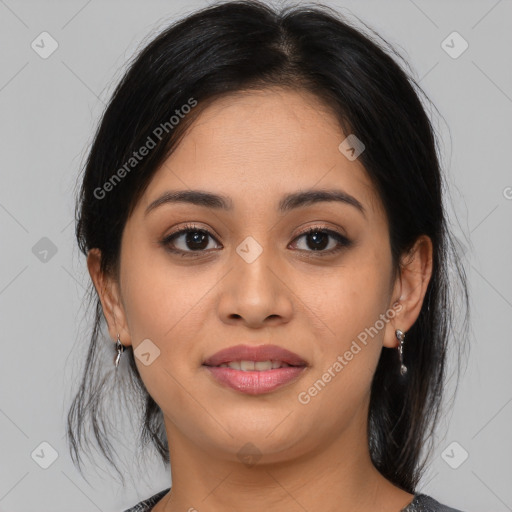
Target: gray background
x: 49, y: 110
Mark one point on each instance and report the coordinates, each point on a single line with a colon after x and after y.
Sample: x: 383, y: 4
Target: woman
x: 263, y: 220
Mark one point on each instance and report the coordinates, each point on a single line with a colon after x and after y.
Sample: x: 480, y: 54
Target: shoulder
x: 147, y: 504
x: 424, y: 503
x: 420, y: 503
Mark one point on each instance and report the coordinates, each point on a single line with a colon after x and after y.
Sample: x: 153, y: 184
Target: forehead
x: 256, y: 146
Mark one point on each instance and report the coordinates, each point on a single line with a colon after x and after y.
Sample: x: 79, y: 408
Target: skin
x: 254, y: 147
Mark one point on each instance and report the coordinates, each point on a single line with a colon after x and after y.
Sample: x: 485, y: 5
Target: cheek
x: 350, y: 302
x: 347, y: 300
x: 166, y: 305
x: 160, y: 298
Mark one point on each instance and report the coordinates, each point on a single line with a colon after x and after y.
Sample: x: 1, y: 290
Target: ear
x: 409, y: 289
x: 108, y: 292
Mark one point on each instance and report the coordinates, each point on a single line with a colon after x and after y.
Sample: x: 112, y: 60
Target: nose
x: 256, y: 293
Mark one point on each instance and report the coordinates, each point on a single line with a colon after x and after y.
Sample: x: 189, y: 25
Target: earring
x: 120, y: 350
x: 401, y: 337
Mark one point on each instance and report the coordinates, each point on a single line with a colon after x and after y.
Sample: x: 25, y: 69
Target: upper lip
x: 254, y: 353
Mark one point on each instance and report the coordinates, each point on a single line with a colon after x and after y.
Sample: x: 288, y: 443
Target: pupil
x: 315, y: 236
x: 196, y: 237
x: 198, y: 240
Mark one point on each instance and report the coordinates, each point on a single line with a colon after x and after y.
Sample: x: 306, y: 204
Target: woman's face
x: 256, y: 279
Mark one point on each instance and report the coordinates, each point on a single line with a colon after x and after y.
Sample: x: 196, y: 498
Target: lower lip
x: 255, y: 382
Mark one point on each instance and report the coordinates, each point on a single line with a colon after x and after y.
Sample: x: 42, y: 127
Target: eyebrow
x: 287, y: 203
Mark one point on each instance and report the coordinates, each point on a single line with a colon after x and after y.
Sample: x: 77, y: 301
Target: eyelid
x: 315, y: 228
x: 181, y: 230
x: 343, y: 241
x: 191, y: 226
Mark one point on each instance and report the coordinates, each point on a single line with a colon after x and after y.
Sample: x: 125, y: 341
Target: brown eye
x: 323, y: 241
x: 192, y: 239
x: 187, y: 240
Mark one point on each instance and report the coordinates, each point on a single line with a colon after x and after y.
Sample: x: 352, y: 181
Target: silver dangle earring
x: 120, y: 350
x: 401, y: 337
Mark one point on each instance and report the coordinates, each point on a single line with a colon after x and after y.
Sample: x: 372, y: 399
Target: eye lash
x: 343, y: 241
x: 166, y: 241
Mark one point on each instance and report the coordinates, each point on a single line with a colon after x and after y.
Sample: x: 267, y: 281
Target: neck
x: 335, y: 476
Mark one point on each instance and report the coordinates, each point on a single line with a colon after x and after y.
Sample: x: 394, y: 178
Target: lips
x: 256, y: 354
x: 255, y: 370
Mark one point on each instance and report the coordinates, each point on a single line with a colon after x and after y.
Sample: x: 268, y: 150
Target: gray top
x: 420, y: 503
x: 147, y: 505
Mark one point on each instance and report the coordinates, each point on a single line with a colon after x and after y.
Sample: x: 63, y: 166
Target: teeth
x: 262, y: 365
x: 254, y: 365
x: 246, y: 365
